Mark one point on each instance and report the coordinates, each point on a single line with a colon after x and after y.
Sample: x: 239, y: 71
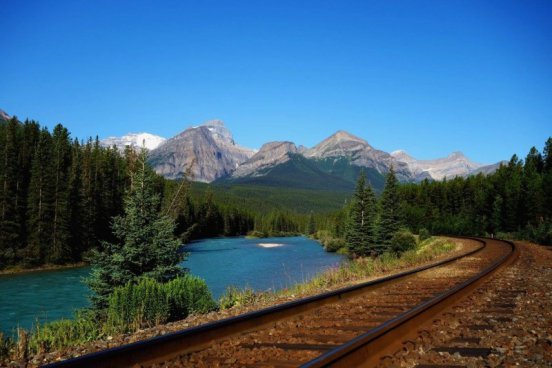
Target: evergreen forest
x: 59, y: 195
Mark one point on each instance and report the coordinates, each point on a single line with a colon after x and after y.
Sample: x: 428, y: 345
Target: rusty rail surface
x: 366, y: 349
x: 354, y: 352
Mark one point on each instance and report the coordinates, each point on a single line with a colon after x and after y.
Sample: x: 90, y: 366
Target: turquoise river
x: 261, y: 264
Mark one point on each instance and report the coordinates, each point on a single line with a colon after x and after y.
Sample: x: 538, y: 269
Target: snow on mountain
x: 138, y: 140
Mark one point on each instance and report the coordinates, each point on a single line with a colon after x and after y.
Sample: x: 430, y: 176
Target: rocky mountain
x: 359, y: 153
x: 207, y: 152
x: 136, y: 140
x: 455, y: 164
x: 341, y: 156
x: 4, y: 115
x: 271, y: 154
x: 488, y: 169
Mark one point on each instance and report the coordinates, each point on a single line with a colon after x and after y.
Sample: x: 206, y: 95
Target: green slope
x: 264, y: 199
x: 331, y: 174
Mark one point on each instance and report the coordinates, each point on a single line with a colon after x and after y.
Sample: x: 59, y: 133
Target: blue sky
x: 429, y: 77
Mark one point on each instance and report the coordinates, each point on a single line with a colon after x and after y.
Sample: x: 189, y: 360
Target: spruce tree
x: 145, y: 245
x: 40, y: 202
x: 9, y: 226
x: 390, y: 216
x: 532, y: 188
x: 60, y: 249
x: 547, y: 178
x: 359, y: 233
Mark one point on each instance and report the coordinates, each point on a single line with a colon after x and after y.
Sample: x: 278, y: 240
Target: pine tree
x: 60, y: 251
x: 547, y: 179
x: 532, y: 187
x: 496, y: 219
x: 75, y: 203
x: 40, y: 202
x: 146, y: 246
x: 359, y: 234
x: 390, y: 217
x: 9, y: 227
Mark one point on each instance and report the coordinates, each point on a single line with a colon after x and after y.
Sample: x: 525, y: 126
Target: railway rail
x: 353, y: 326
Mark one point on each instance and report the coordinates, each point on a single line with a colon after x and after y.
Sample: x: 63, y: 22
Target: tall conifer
x: 360, y: 231
x: 390, y: 216
x: 145, y: 245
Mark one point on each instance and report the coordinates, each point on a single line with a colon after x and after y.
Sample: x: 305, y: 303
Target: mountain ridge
x: 208, y: 153
x: 204, y: 153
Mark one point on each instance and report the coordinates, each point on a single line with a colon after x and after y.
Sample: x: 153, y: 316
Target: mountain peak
x: 402, y: 155
x: 342, y: 135
x: 4, y: 115
x: 270, y: 155
x: 455, y: 164
x: 456, y: 155
x: 206, y: 152
x: 213, y: 123
x: 341, y: 143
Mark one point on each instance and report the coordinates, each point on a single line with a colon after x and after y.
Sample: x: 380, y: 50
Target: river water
x: 261, y: 264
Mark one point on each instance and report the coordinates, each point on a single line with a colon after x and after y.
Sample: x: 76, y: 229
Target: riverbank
x: 242, y: 301
x: 15, y: 270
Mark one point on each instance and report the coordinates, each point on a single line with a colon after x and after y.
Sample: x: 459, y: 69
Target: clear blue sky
x: 429, y: 77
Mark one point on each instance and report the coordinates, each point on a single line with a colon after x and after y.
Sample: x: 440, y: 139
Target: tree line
x: 514, y: 202
x: 516, y: 199
x: 57, y: 194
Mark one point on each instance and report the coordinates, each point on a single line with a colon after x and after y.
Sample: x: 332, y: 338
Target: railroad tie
x: 290, y: 346
x: 465, y: 352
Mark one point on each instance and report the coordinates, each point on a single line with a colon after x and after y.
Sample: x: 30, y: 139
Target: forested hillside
x: 517, y: 198
x: 514, y: 202
x: 57, y: 195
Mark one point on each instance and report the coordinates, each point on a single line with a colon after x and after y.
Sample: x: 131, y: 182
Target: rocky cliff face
x: 455, y: 164
x: 360, y: 153
x: 270, y: 155
x: 136, y: 140
x: 208, y: 152
x: 4, y: 115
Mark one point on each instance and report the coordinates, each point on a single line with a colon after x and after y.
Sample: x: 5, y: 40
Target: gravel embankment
x: 507, y: 322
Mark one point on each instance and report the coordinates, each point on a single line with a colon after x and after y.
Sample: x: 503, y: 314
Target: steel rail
x: 366, y: 349
x: 158, y: 348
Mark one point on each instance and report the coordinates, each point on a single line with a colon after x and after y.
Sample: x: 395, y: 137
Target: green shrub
x: 236, y: 297
x: 188, y: 295
x: 6, y: 344
x: 423, y: 234
x: 256, y: 234
x: 64, y: 332
x: 540, y: 234
x: 402, y: 241
x: 334, y: 244
x: 134, y: 306
x: 330, y: 243
x: 150, y: 303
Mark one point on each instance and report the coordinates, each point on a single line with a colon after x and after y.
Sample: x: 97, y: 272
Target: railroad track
x: 352, y: 326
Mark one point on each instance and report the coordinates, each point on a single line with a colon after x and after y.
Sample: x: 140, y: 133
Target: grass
x: 356, y: 270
